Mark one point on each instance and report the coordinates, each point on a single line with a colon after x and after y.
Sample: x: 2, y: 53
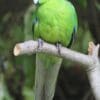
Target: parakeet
x: 54, y: 21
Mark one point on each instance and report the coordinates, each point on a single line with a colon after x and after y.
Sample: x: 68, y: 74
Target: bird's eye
x: 36, y: 2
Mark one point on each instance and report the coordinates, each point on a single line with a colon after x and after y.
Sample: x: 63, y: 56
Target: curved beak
x: 35, y: 1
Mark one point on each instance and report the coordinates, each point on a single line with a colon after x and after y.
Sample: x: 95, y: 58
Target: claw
x: 58, y: 47
x: 40, y: 43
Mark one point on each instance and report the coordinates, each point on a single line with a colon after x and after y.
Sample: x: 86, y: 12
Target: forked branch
x: 90, y: 61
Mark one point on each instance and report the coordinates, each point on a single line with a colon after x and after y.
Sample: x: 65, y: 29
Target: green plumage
x: 55, y: 21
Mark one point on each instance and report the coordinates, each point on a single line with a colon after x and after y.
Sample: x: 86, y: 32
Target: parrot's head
x: 36, y: 2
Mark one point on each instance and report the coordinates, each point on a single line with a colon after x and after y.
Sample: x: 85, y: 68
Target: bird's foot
x: 59, y: 48
x: 40, y: 43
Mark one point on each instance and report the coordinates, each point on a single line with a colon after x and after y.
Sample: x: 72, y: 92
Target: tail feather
x: 46, y: 76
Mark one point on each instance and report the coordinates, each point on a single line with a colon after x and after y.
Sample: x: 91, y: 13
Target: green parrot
x: 54, y: 21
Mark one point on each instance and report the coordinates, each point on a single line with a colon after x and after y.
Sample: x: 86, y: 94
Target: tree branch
x: 91, y: 61
x: 31, y: 46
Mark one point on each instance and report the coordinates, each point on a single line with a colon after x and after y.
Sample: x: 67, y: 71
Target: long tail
x: 47, y: 69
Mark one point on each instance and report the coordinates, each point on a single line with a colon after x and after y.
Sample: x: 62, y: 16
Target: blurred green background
x: 17, y: 73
